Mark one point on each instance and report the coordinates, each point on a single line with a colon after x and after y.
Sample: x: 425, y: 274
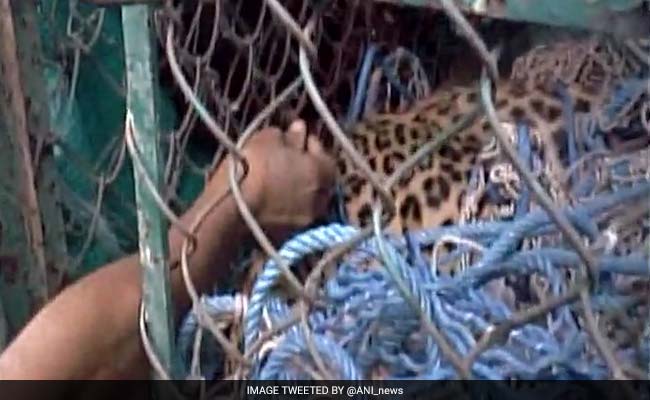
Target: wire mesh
x: 463, y: 352
x: 404, y: 321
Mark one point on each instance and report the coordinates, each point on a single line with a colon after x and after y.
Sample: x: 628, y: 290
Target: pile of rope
x: 367, y: 321
x: 407, y: 321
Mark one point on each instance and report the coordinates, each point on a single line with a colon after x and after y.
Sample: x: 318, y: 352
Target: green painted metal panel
x: 141, y: 65
x: 599, y: 15
x: 623, y: 17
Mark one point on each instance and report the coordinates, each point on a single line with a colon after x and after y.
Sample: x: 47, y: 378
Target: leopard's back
x: 432, y: 192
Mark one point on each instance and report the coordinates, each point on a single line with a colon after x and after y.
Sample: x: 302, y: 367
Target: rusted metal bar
x: 33, y: 76
x: 23, y: 261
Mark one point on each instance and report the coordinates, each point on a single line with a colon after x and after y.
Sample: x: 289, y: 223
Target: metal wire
x: 368, y: 322
x: 447, y: 302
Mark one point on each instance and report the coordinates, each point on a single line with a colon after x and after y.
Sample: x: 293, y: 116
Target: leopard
x: 436, y: 191
x: 432, y: 192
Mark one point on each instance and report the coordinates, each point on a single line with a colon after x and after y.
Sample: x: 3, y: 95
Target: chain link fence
x: 296, y: 340
x: 232, y: 66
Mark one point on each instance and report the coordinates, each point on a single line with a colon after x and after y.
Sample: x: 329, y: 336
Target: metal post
x: 141, y: 67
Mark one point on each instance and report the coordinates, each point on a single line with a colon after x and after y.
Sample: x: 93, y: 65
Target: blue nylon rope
x: 366, y: 326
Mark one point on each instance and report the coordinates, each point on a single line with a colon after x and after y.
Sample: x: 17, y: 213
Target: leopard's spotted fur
x: 430, y: 195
